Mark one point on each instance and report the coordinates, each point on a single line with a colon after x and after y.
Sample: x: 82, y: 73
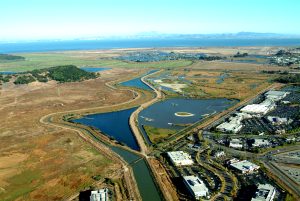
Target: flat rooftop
x: 180, y: 157
x: 196, y: 185
x: 265, y: 192
x: 244, y: 166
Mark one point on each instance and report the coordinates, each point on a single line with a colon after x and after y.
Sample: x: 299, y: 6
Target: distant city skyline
x: 66, y: 19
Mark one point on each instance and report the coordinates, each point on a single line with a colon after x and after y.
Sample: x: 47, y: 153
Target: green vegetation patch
x: 5, y: 78
x: 21, y: 184
x: 8, y: 57
x: 69, y: 73
x: 24, y: 79
x: 157, y: 135
x: 290, y: 78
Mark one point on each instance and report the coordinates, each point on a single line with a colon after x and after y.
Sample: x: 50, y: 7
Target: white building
x: 236, y: 143
x: 257, y: 109
x: 219, y: 154
x: 279, y: 120
x: 180, y: 158
x: 276, y: 95
x: 234, y: 124
x: 264, y: 192
x: 244, y: 167
x: 260, y: 143
x: 195, y: 186
x: 99, y: 195
x: 229, y: 127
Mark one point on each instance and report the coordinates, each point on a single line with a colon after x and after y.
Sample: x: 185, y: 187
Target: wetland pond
x: 177, y: 113
x: 113, y: 124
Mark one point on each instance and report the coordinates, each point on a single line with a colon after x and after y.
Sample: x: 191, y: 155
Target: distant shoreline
x: 49, y: 46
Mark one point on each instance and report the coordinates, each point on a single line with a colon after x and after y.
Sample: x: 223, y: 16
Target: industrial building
x: 180, y: 158
x: 196, y: 186
x: 99, y: 195
x: 264, y: 192
x: 244, y: 167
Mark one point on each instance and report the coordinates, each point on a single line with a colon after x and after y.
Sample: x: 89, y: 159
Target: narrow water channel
x: 116, y: 124
x: 142, y: 174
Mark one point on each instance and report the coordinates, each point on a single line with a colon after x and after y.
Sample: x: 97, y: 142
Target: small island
x: 184, y: 114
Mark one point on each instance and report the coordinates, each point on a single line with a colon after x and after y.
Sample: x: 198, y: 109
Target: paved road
x: 276, y: 171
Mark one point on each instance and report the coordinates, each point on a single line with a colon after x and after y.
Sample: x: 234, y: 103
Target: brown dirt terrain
x: 38, y: 162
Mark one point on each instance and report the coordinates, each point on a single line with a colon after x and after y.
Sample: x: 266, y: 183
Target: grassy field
x: 39, y: 162
x: 45, y: 60
x: 158, y: 134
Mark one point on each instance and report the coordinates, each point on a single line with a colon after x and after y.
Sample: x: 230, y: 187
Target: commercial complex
x: 265, y: 192
x: 267, y: 105
x: 235, y: 123
x: 180, y: 158
x: 195, y: 186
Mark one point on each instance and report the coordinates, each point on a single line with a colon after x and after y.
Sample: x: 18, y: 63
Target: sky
x: 66, y: 19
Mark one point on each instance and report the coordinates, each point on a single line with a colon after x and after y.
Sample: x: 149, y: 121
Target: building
x: 257, y: 109
x: 264, y: 192
x: 230, y: 127
x: 261, y: 143
x: 244, y: 167
x: 180, y: 158
x: 236, y: 143
x: 219, y: 154
x: 276, y: 95
x: 99, y: 195
x: 279, y: 120
x: 234, y: 123
x: 195, y: 186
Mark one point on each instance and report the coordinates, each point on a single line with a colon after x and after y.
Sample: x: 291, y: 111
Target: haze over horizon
x: 54, y: 19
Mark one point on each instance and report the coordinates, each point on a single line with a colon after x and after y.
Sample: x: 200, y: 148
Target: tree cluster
x: 238, y: 54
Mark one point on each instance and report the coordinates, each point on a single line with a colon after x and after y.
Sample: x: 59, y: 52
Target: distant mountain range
x: 156, y: 35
